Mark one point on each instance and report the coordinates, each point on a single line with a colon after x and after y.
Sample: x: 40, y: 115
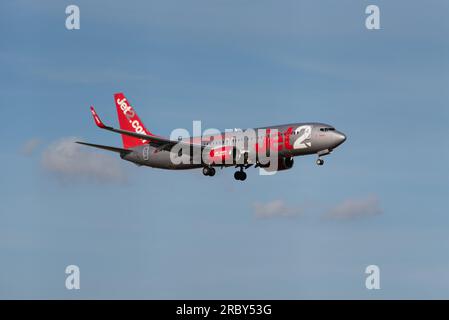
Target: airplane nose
x: 340, y: 137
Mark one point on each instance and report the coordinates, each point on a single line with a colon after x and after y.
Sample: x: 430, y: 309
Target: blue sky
x: 147, y: 233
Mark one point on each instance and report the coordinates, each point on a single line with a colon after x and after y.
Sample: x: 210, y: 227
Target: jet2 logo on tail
x: 126, y: 108
x: 129, y: 114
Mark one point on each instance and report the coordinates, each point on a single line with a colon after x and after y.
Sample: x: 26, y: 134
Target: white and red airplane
x: 271, y: 148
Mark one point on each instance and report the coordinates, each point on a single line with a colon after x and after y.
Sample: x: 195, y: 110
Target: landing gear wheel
x: 240, y: 175
x: 319, y: 162
x: 209, y: 171
x: 237, y: 175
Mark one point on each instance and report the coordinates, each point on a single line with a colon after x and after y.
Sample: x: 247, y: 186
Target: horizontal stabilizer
x: 114, y: 149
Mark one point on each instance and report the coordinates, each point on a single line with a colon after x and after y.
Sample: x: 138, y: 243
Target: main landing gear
x: 209, y: 171
x: 240, y: 175
x: 319, y: 162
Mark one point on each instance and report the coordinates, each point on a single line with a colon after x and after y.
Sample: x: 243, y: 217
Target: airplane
x: 240, y: 149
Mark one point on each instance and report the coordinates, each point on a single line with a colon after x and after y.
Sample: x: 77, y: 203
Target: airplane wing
x: 156, y: 141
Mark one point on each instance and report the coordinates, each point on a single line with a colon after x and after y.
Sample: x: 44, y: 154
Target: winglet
x: 97, y: 118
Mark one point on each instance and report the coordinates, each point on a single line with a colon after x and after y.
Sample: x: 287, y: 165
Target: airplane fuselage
x: 288, y: 140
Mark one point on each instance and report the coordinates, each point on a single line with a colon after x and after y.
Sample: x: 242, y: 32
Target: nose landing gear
x: 321, y: 153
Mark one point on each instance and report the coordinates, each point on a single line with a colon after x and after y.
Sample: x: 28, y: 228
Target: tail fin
x: 130, y: 121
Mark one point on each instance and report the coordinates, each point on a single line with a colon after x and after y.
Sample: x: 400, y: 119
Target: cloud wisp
x: 71, y: 162
x: 275, y: 208
x: 355, y: 208
x: 30, y: 146
x: 349, y: 209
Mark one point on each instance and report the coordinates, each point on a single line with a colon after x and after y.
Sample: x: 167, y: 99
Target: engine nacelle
x: 284, y: 163
x: 221, y: 155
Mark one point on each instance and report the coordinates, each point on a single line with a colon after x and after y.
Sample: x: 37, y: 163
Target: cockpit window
x: 327, y: 129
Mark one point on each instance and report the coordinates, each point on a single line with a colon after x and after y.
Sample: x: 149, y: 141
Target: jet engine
x: 228, y: 155
x: 221, y: 155
x: 284, y: 163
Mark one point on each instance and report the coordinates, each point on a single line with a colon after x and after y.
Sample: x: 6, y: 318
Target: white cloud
x: 352, y: 208
x: 355, y: 208
x: 276, y: 208
x: 73, y: 162
x: 30, y: 146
